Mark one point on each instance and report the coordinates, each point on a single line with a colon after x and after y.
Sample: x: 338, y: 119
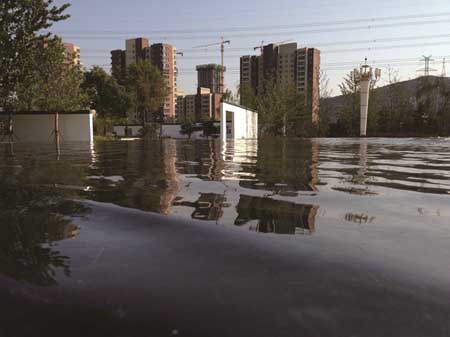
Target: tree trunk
x: 57, y: 135
x: 11, y: 127
x: 104, y: 126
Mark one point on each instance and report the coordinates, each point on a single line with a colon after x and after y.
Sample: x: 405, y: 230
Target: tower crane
x: 261, y: 47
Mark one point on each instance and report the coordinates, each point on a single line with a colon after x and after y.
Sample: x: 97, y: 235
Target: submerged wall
x: 39, y: 127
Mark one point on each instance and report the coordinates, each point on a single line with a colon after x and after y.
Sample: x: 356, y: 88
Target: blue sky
x: 397, y: 32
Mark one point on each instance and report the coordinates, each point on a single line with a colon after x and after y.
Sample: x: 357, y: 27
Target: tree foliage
x: 209, y: 128
x: 22, y: 23
x: 187, y: 128
x: 148, y: 90
x: 420, y: 107
x: 53, y: 82
x: 108, y: 98
x: 281, y: 109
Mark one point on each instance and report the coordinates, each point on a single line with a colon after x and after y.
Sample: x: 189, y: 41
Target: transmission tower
x: 426, y: 70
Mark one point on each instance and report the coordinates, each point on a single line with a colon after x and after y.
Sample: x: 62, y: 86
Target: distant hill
x: 409, y: 87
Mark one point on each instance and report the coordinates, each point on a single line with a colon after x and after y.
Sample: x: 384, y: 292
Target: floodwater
x: 377, y: 208
x: 271, y: 186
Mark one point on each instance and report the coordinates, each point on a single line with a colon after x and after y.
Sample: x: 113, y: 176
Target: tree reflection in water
x: 32, y: 219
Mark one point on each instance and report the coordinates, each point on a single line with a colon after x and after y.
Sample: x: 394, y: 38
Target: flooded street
x: 322, y: 237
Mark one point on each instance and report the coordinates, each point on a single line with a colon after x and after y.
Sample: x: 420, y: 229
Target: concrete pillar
x: 365, y: 87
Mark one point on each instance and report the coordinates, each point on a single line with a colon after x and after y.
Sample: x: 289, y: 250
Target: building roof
x: 79, y: 112
x: 240, y: 106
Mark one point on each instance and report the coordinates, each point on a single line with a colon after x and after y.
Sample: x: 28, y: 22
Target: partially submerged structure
x: 237, y: 122
x: 41, y: 126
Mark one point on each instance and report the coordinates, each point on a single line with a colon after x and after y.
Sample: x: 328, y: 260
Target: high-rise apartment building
x: 308, y: 77
x: 210, y: 76
x: 162, y: 55
x: 179, y: 106
x: 287, y: 65
x: 205, y: 105
x: 286, y: 59
x: 72, y: 53
x: 190, y: 107
x: 250, y: 72
x: 134, y: 50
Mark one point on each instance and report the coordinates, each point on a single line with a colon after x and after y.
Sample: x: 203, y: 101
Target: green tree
x: 188, y: 127
x: 247, y: 97
x: 443, y: 113
x: 54, y: 83
x: 209, y: 128
x: 393, y: 106
x: 228, y: 96
x: 148, y: 90
x: 325, y: 109
x: 21, y: 25
x: 349, y: 116
x: 282, y: 110
x: 108, y: 98
x: 427, y: 98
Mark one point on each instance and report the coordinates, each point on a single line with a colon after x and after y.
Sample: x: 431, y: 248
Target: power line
x: 267, y: 33
x: 398, y: 62
x: 331, y: 51
x: 258, y: 28
x: 315, y: 44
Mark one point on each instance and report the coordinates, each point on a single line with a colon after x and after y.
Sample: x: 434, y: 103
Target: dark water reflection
x: 33, y: 217
x: 270, y: 186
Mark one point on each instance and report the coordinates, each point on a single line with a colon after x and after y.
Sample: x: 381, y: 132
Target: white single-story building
x: 237, y: 122
x: 37, y: 126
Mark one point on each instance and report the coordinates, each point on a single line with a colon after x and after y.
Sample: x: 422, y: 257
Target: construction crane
x: 222, y: 44
x: 261, y: 47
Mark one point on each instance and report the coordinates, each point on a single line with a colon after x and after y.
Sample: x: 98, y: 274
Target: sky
x: 390, y: 33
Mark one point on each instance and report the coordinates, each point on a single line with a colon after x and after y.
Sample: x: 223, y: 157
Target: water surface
x: 269, y: 186
x: 322, y: 237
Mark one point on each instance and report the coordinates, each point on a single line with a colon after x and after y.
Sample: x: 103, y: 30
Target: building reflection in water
x: 239, y: 158
x: 275, y: 216
x: 172, y: 185
x: 359, y: 218
x: 208, y: 207
x: 284, y: 165
x: 256, y: 166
